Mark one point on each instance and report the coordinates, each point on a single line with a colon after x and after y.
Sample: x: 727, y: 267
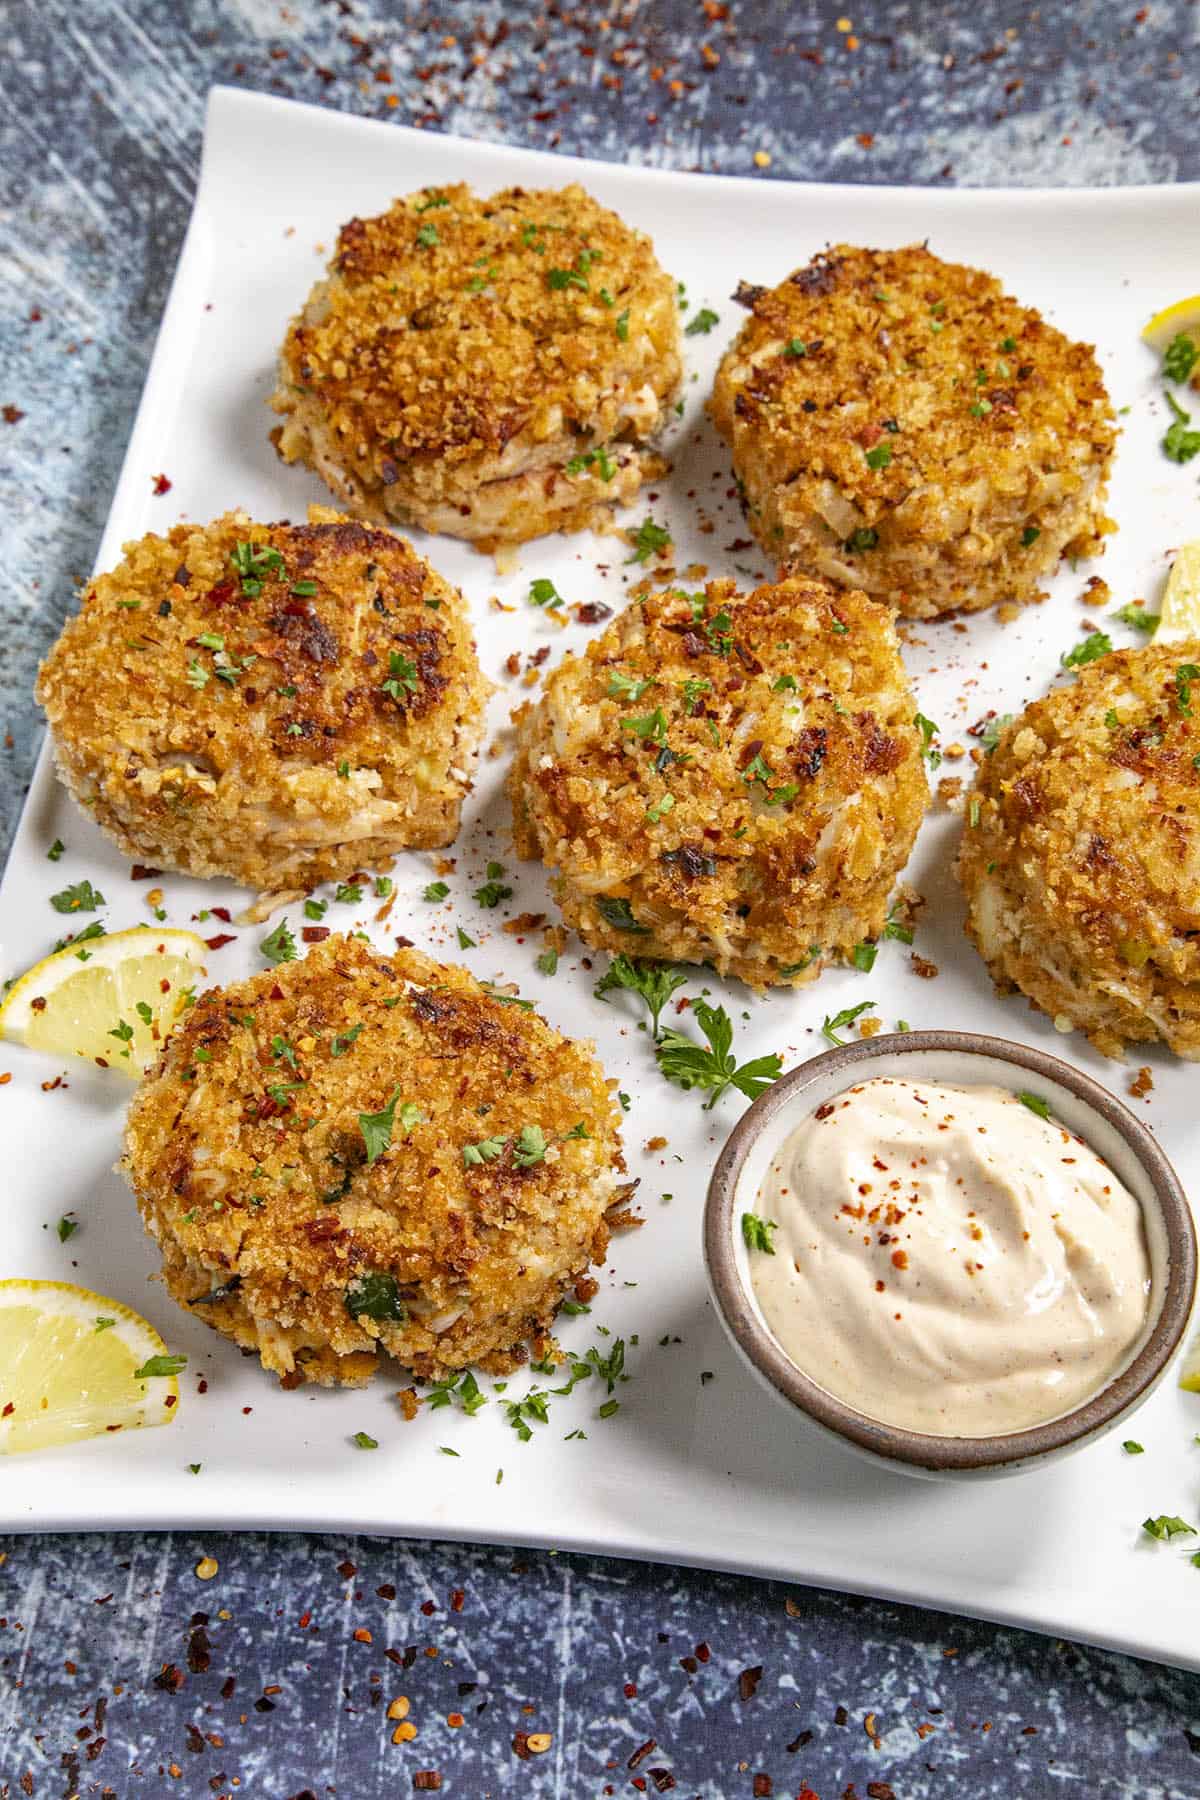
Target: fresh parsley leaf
x: 622, y: 326
x: 1185, y: 674
x: 427, y: 237
x: 339, y: 1045
x: 831, y: 1027
x: 365, y: 1441
x: 435, y: 890
x: 530, y: 1146
x: 648, y: 540
x: 66, y: 1228
x: 315, y: 909
x: 989, y: 737
x: 1131, y: 1447
x: 465, y: 940
x: 863, y: 957
x: 597, y: 459
x: 547, y: 962
x: 795, y: 347
x: 626, y: 687
x: 879, y: 457
x: 652, y: 982
x: 156, y: 1366
x: 485, y: 1151
x: 55, y: 851
x: 756, y: 1233
x: 1036, y: 1104
x: 863, y: 537
x: 280, y: 945
x: 702, y: 323
x: 82, y: 897
x: 685, y: 1062
x: 652, y: 727
x: 1093, y: 647
x: 1167, y: 1526
x: 348, y: 893
x: 377, y: 1127
x: 253, y: 563
x: 494, y: 889
x: 1030, y: 536
x: 402, y: 677
x: 375, y: 1295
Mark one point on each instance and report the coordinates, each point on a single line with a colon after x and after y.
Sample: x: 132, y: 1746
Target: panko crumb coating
x: 1081, y: 854
x: 250, y: 1164
x: 280, y: 704
x: 902, y: 425
x: 726, y: 779
x: 493, y: 368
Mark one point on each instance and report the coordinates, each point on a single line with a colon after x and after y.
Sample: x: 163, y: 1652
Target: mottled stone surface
x: 102, y: 108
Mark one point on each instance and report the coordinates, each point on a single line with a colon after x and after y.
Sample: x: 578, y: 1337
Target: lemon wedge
x: 1179, y: 620
x: 74, y: 1364
x: 1180, y: 320
x: 113, y: 999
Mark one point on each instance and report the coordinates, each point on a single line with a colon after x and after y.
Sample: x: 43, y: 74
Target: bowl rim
x: 925, y: 1450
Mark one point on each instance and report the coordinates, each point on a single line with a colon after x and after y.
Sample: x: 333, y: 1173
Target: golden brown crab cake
x: 1081, y: 854
x: 363, y: 1153
x: 902, y: 425
x: 726, y: 779
x: 280, y: 704
x: 490, y: 367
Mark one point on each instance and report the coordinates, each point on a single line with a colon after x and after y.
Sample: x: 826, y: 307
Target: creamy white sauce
x: 948, y: 1261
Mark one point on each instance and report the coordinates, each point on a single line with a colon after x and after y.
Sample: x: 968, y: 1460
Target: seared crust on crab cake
x: 1081, y: 855
x: 280, y: 704
x: 493, y: 368
x: 725, y: 779
x: 321, y: 1243
x: 900, y: 424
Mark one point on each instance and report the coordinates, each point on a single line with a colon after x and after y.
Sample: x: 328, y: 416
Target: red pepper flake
x: 631, y: 1690
x: 222, y: 938
x: 428, y: 1607
x: 362, y: 1635
x: 315, y: 934
x: 663, y: 1780
x: 170, y: 1679
x: 748, y: 1682
x: 703, y: 1652
x: 880, y: 1790
x: 12, y: 414
x: 8, y: 1409
x: 161, y: 484
x: 346, y: 1570
x: 457, y: 1599
x: 641, y: 1753
x: 427, y: 1781
x: 520, y: 1747
x: 763, y: 1787
x: 305, y: 1620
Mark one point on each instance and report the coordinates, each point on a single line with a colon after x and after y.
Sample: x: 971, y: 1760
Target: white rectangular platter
x: 698, y: 1465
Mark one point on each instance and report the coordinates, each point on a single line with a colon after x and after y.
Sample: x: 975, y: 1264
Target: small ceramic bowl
x: 967, y: 1059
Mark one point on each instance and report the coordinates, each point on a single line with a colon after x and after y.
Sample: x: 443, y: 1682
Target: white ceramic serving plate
x: 694, y: 1467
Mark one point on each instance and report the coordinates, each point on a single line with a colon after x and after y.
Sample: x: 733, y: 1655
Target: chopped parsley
x: 1131, y: 1447
x: 688, y: 1064
x: 82, y: 897
x: 530, y: 1146
x: 795, y: 347
x: 626, y: 687
x: 1030, y: 535
x: 280, y: 946
x: 865, y: 537
x: 315, y: 909
x: 652, y: 982
x: 427, y: 237
x: 339, y: 1045
x: 1167, y: 1526
x: 1185, y: 674
x: 1179, y: 358
x: 377, y: 1127
x: 756, y: 1233
x: 436, y: 198
x: 54, y: 853
x: 485, y: 1151
x: 494, y: 890
x: 1137, y: 617
x: 383, y: 886
x: 928, y: 731
x: 896, y: 928
x: 863, y: 957
x: 157, y: 1366
x: 375, y: 1295
x: 547, y: 962
x: 465, y: 940
x: 66, y: 1228
x: 596, y: 459
x: 544, y: 593
x: 435, y: 890
x: 616, y: 911
x: 879, y: 456
x: 365, y: 1441
x: 253, y: 563
x: 622, y: 326
x: 648, y: 540
x: 348, y: 893
x: 401, y: 678
x: 989, y: 737
x: 831, y: 1026
x: 702, y: 324
x: 651, y: 726
x: 1036, y: 1104
x: 658, y: 809
x: 1093, y: 647
x: 1179, y: 443
x: 462, y: 1388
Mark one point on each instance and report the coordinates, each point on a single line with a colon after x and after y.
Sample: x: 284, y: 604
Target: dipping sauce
x: 949, y: 1261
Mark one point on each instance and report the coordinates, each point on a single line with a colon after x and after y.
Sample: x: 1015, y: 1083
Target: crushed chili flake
x: 641, y: 1753
x: 763, y: 1787
x: 427, y: 1781
x: 748, y: 1682
x: 161, y: 484
x: 222, y: 938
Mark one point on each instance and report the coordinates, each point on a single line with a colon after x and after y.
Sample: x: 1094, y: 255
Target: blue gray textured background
x: 122, y: 1673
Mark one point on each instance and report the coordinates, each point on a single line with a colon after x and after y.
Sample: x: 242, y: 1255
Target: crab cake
x: 364, y: 1153
x: 1081, y: 855
x: 491, y: 368
x: 280, y: 704
x: 725, y: 779
x: 900, y: 424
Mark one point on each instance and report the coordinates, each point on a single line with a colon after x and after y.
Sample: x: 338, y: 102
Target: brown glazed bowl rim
x: 922, y: 1451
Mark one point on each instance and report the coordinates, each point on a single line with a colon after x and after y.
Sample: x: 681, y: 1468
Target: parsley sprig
x: 652, y: 982
x: 682, y: 1060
